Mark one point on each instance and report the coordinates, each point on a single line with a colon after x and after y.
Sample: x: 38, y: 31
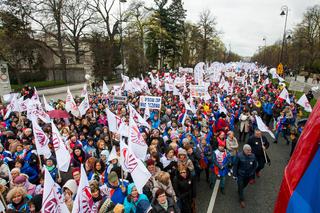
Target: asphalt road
x: 259, y: 197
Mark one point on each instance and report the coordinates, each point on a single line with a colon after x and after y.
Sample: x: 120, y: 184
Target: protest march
x: 143, y: 145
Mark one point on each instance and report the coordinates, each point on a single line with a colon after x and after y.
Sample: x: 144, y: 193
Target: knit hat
x: 112, y: 177
x: 221, y: 142
x: 71, y: 184
x: 76, y: 169
x: 20, y: 179
x: 182, y: 151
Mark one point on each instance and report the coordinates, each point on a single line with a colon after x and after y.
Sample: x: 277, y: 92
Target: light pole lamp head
x: 282, y: 13
x: 284, y: 10
x: 123, y: 1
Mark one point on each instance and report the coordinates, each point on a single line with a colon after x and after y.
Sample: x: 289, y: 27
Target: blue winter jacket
x: 130, y: 206
x: 28, y: 170
x: 267, y: 108
x: 118, y: 196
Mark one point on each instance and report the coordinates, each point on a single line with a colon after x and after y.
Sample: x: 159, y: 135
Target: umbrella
x: 58, y: 114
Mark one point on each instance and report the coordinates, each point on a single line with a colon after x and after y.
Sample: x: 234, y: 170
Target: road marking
x: 213, y: 196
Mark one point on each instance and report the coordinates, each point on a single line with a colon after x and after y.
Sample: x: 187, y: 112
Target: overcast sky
x: 244, y: 23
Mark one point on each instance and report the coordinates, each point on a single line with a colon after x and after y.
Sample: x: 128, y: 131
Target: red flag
x: 302, y: 156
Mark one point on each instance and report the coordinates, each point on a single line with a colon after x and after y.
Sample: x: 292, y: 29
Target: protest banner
x: 198, y: 90
x: 153, y: 102
x: 118, y: 98
x: 185, y: 70
x: 296, y: 86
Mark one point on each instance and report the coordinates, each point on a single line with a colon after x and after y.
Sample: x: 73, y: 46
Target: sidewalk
x: 61, y: 89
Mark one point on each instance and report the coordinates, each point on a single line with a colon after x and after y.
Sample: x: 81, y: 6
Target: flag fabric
x: 285, y: 95
x: 299, y: 191
x: 266, y: 82
x: 113, y: 121
x: 53, y: 200
x: 220, y: 105
x: 262, y: 127
x: 12, y: 107
x: 47, y: 107
x: 130, y: 163
x: 23, y: 104
x: 41, y: 140
x: 83, y: 202
x: 71, y: 104
x: 35, y: 95
x: 303, y: 101
x: 84, y: 91
x: 84, y: 106
x: 105, y: 89
x: 137, y: 117
x: 62, y: 154
x: 136, y: 142
x: 146, y: 115
x: 35, y: 111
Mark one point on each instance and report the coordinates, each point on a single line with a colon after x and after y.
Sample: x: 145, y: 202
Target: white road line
x: 213, y: 196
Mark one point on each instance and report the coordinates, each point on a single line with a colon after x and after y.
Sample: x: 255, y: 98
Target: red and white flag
x: 84, y: 106
x: 220, y: 105
x: 71, y: 104
x: 41, y: 140
x: 262, y: 127
x: 13, y: 106
x: 83, y: 202
x: 130, y: 163
x: 35, y: 95
x: 62, y: 154
x: 47, y: 107
x: 137, y: 117
x: 285, y: 95
x: 113, y: 121
x: 23, y: 104
x: 303, y: 101
x: 136, y: 142
x: 53, y: 200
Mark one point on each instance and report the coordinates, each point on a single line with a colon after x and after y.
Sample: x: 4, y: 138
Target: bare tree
x: 207, y: 29
x: 47, y: 14
x: 76, y: 18
x: 103, y: 9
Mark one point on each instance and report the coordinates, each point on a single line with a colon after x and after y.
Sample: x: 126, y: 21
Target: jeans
x: 284, y: 135
x: 242, y: 183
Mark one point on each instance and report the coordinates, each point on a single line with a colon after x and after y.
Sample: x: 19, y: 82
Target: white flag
x: 41, y: 140
x: 266, y: 82
x: 262, y: 127
x: 221, y: 106
x: 35, y: 95
x: 130, y: 163
x: 113, y: 121
x: 137, y: 117
x: 83, y: 202
x: 84, y: 106
x: 303, y: 101
x: 105, y: 88
x: 62, y: 154
x: 146, y: 113
x: 71, y: 104
x: 285, y: 95
x: 47, y: 107
x: 53, y: 200
x: 84, y: 91
x: 13, y: 106
x: 136, y: 141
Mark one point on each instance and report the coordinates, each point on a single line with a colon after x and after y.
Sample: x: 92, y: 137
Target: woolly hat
x: 76, y: 169
x: 221, y: 142
x: 20, y: 179
x: 71, y: 184
x: 182, y: 151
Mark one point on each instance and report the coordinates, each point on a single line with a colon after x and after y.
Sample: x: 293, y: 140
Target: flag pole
x: 264, y: 151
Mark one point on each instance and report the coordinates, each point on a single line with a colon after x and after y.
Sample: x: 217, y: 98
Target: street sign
x: 296, y: 86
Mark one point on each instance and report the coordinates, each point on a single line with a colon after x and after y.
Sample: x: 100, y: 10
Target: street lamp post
x: 121, y: 44
x: 265, y: 49
x: 284, y: 11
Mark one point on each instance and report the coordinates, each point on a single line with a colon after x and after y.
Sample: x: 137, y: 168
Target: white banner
x: 153, y: 102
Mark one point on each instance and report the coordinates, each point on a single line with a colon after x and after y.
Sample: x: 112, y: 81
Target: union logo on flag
x: 130, y: 161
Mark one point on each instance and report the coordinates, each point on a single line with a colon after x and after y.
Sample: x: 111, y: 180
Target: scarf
x: 50, y: 168
x: 164, y: 205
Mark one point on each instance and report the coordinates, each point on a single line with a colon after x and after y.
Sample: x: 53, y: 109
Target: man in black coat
x: 244, y: 168
x: 259, y: 144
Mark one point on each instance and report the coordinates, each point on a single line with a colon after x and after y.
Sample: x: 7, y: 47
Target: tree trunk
x: 77, y: 51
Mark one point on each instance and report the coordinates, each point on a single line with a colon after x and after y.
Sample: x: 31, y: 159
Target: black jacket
x: 244, y: 165
x: 172, y: 207
x: 186, y: 191
x: 256, y: 145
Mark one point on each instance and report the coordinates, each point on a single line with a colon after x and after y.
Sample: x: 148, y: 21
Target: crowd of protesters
x: 183, y: 145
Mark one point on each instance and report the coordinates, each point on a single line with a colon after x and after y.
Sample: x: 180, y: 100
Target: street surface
x: 259, y: 197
